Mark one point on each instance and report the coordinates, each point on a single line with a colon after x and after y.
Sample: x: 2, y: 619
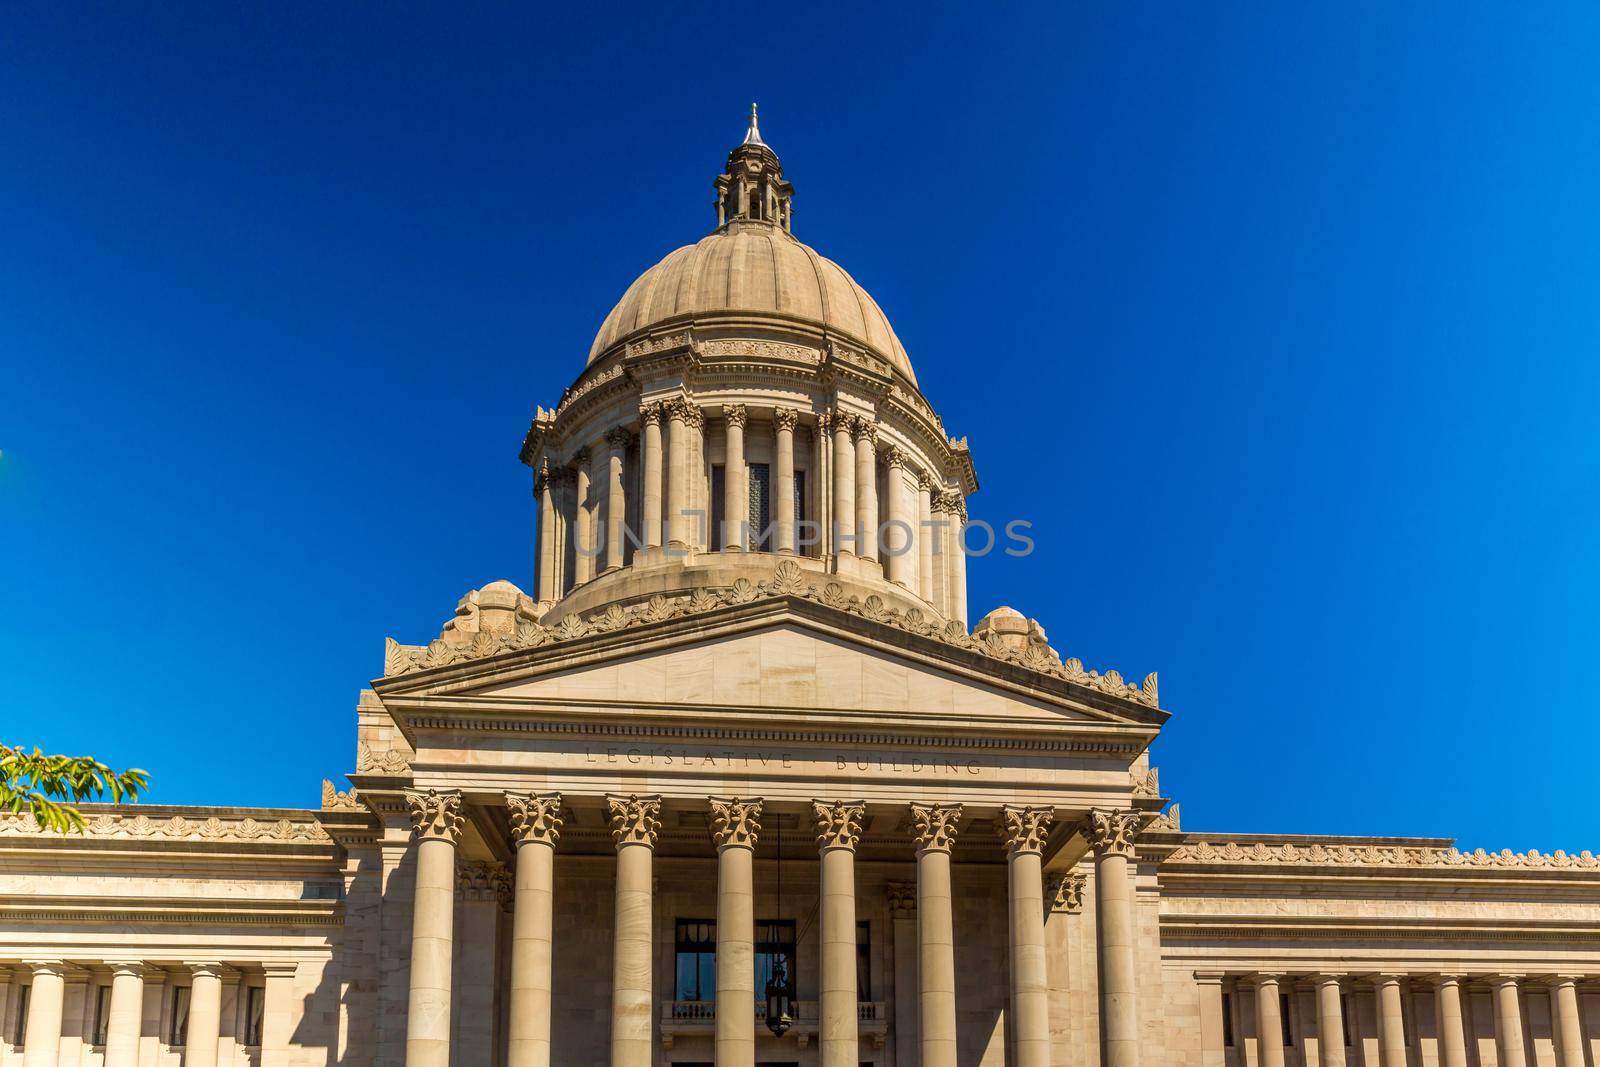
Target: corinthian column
x: 1330, y: 1021
x: 205, y: 1016
x: 867, y: 488
x: 1112, y: 833
x: 843, y: 534
x: 544, y: 486
x: 678, y: 474
x: 41, y: 1035
x: 933, y: 828
x: 616, y: 502
x: 436, y: 820
x: 650, y: 460
x: 734, y: 826
x: 735, y: 488
x: 899, y: 546
x: 634, y: 822
x: 1391, y: 1021
x: 1452, y: 1028
x: 1508, y: 1022
x: 783, y: 421
x: 583, y: 555
x: 1269, y: 1021
x: 127, y: 1009
x: 838, y: 831
x: 1568, y: 1022
x: 536, y: 827
x: 958, y: 559
x: 925, y: 582
x: 1023, y: 830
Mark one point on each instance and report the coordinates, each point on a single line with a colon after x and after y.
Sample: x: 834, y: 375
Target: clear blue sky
x: 1291, y: 313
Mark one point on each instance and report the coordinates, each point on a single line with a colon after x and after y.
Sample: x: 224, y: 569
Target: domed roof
x: 758, y: 269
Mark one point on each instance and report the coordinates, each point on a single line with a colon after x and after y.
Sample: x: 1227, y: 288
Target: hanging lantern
x: 779, y: 1018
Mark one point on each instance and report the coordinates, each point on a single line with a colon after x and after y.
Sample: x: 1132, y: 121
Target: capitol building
x: 736, y: 777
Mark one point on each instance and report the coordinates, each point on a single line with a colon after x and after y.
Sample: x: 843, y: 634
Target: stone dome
x: 755, y: 271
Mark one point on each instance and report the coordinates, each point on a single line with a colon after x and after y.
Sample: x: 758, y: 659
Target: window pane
x: 255, y: 1005
x: 688, y: 978
x: 760, y: 505
x: 102, y: 1012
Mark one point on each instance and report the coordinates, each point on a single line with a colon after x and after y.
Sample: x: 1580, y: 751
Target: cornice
x: 176, y: 911
x: 789, y: 582
x: 131, y: 824
x: 1379, y: 928
x: 1319, y: 855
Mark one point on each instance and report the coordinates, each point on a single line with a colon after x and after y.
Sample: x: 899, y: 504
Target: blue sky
x: 1279, y: 322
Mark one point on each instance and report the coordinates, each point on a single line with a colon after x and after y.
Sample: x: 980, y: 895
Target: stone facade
x: 741, y: 718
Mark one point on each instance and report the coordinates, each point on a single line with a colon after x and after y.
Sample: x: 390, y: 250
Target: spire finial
x: 753, y: 135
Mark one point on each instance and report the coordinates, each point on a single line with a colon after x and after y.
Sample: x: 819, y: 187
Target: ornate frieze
x: 1112, y: 832
x: 176, y: 828
x: 1064, y: 892
x: 838, y: 822
x: 635, y: 819
x: 902, y: 898
x: 1024, y: 828
x: 735, y: 821
x: 934, y: 826
x: 389, y: 761
x: 646, y: 346
x: 788, y: 580
x: 535, y: 817
x: 1336, y: 855
x: 435, y: 815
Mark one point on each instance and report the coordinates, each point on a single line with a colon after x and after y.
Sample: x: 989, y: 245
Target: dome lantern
x: 752, y: 188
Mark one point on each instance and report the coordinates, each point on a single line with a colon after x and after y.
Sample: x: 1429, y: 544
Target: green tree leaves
x: 48, y: 787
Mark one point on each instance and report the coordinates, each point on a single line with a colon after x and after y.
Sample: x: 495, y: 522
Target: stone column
x: 545, y: 488
x: 650, y: 460
x: 1269, y: 1021
x: 899, y: 546
x: 924, y: 538
x: 783, y: 421
x: 958, y: 559
x: 583, y: 539
x: 1112, y: 833
x: 933, y: 829
x: 843, y: 532
x: 535, y: 827
x: 903, y: 919
x: 838, y: 831
x: 205, y: 1016
x: 1508, y: 1022
x: 436, y: 822
x: 127, y: 1009
x: 634, y: 822
x: 1023, y: 830
x: 678, y: 474
x: 616, y: 501
x: 1568, y: 1024
x: 1448, y: 1017
x: 41, y: 1035
x: 735, y: 516
x: 1391, y: 1021
x: 1330, y: 1020
x: 867, y: 487
x: 734, y: 826
x: 1213, y: 1040
x: 278, y: 1013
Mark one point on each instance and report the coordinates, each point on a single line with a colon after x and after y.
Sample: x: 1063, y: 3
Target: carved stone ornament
x: 1146, y: 783
x: 735, y: 822
x: 785, y: 418
x: 535, y: 817
x: 634, y: 818
x: 483, y: 881
x: 933, y: 826
x: 652, y: 412
x: 902, y: 898
x: 436, y: 815
x: 864, y: 428
x: 1112, y: 832
x: 618, y: 437
x: 788, y: 580
x: 389, y: 761
x: 1166, y: 822
x: 335, y: 799
x: 582, y: 456
x: 824, y: 422
x: 925, y: 483
x: 735, y: 414
x: 1024, y: 829
x: 1317, y: 854
x: 895, y: 457
x: 838, y: 822
x: 176, y: 828
x: 1064, y: 892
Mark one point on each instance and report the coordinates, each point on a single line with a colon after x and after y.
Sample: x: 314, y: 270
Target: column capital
x: 1555, y: 981
x: 735, y: 414
x: 838, y: 822
x: 535, y: 817
x: 582, y: 456
x: 618, y: 438
x: 650, y: 414
x: 735, y: 823
x: 925, y: 482
x: 1112, y: 831
x: 785, y: 418
x: 1210, y: 977
x: 280, y: 968
x: 895, y: 457
x: 824, y: 421
x: 435, y: 815
x: 1064, y: 892
x: 634, y: 818
x: 58, y: 968
x: 206, y: 968
x: 1500, y: 980
x: 1322, y: 978
x: 1273, y: 977
x: 902, y: 898
x: 864, y: 428
x: 136, y: 968
x: 483, y: 881
x: 934, y: 826
x: 1024, y: 829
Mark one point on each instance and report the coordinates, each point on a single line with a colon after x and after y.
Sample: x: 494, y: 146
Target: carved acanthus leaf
x: 535, y: 817
x: 902, y: 897
x: 934, y: 826
x: 1023, y: 828
x: 838, y: 822
x: 1112, y: 832
x: 634, y: 819
x: 335, y: 799
x: 436, y: 815
x: 1064, y: 892
x: 735, y: 821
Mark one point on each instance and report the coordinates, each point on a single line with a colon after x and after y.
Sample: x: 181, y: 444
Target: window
x: 800, y: 515
x: 760, y: 476
x: 774, y: 941
x: 20, y: 1034
x: 1227, y: 1020
x: 1344, y: 1016
x: 719, y: 497
x: 102, y: 1014
x: 178, y: 1022
x: 255, y: 1003
x: 864, y: 960
x: 697, y: 959
x: 1283, y: 1017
